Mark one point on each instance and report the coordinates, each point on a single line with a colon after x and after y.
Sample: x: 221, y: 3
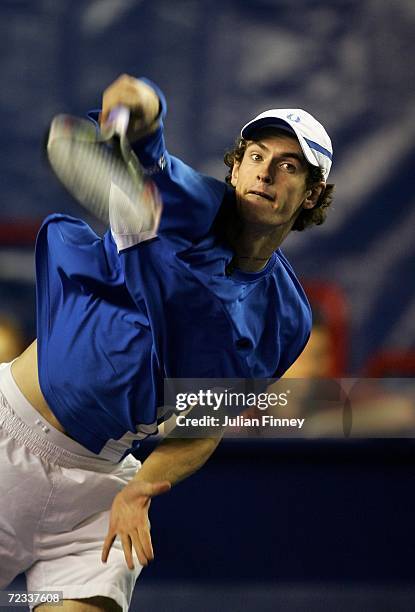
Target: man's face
x: 270, y: 180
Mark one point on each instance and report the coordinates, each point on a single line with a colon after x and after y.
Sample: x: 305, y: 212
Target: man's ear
x: 235, y: 173
x: 313, y: 194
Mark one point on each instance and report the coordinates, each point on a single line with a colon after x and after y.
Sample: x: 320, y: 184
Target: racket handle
x: 117, y: 122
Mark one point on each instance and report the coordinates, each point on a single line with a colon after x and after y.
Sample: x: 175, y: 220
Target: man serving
x: 204, y: 293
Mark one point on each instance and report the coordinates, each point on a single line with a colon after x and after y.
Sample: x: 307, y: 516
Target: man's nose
x: 265, y: 175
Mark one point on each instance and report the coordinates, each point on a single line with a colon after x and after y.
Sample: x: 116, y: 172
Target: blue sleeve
x: 301, y: 320
x: 294, y: 350
x: 190, y: 199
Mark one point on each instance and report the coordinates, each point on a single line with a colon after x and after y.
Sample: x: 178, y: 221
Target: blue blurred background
x: 220, y: 62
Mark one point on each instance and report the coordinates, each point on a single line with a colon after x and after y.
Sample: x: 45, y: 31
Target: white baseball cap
x: 313, y: 138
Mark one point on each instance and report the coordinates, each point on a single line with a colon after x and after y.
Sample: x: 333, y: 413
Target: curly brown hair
x: 308, y: 216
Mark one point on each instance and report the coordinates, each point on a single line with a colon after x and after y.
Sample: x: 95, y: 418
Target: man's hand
x: 129, y: 520
x: 140, y: 98
x: 171, y: 461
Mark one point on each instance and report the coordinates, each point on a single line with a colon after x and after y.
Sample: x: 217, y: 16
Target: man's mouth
x: 261, y: 194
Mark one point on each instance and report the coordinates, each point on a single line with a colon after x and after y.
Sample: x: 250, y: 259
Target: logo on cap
x: 294, y: 118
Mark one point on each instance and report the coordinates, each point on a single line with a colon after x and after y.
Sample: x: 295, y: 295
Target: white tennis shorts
x: 55, y: 498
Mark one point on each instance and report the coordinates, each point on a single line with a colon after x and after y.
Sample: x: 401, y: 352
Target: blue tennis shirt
x: 112, y: 326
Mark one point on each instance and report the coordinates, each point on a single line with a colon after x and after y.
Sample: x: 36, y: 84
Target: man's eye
x: 288, y: 167
x: 256, y: 157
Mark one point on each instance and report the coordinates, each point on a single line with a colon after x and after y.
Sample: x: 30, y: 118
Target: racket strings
x: 105, y: 176
x: 87, y: 170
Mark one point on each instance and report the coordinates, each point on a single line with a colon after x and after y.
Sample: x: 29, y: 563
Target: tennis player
x: 204, y: 293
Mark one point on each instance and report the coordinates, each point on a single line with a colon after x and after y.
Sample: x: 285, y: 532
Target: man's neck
x: 254, y: 246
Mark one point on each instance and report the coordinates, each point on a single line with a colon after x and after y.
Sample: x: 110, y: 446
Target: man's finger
x: 142, y: 556
x: 108, y: 542
x: 126, y: 545
x: 146, y: 543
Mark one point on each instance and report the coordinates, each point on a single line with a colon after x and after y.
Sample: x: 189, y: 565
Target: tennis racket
x: 102, y: 172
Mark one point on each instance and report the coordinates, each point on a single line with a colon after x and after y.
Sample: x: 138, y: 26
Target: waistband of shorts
x: 27, y: 426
